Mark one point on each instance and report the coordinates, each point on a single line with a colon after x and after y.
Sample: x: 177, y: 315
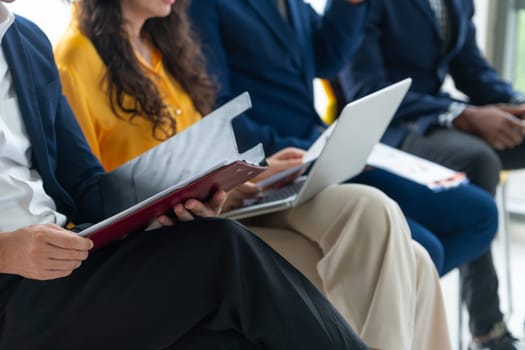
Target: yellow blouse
x: 114, y: 140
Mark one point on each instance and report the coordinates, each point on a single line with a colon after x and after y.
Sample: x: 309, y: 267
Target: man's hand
x: 499, y: 128
x: 188, y: 210
x: 516, y: 110
x: 42, y: 252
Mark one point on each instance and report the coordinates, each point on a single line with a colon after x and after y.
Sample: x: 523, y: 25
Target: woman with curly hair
x: 149, y: 74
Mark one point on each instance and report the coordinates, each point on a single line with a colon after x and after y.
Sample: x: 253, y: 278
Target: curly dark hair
x: 101, y: 21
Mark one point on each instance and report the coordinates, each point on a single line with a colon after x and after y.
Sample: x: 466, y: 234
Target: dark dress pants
x: 455, y: 226
x: 208, y: 284
x: 482, y: 164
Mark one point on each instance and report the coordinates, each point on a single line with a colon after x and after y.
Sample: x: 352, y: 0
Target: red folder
x: 136, y: 218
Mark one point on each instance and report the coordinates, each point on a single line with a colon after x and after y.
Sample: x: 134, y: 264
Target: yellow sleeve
x: 81, y: 73
x: 78, y: 103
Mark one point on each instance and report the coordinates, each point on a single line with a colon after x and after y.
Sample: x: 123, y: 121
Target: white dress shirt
x: 282, y: 5
x: 440, y: 9
x: 23, y: 200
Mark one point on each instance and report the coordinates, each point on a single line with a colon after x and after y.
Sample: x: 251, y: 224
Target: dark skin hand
x: 500, y: 126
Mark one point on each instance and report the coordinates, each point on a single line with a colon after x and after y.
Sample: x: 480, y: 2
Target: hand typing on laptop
x: 287, y: 159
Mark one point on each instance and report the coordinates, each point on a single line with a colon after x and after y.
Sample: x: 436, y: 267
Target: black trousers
x: 482, y: 164
x: 208, y: 284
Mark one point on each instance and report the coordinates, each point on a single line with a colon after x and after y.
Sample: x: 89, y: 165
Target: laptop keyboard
x: 275, y: 194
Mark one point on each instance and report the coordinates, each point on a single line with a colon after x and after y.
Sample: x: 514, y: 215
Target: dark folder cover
x: 138, y: 217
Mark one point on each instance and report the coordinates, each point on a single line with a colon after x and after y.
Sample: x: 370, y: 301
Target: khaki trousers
x: 353, y: 243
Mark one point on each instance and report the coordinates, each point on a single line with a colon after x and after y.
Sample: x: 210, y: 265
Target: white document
x: 315, y: 149
x: 310, y: 156
x: 422, y: 171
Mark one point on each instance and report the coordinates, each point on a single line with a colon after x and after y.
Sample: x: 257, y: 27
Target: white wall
x: 482, y: 21
x: 51, y: 15
x: 317, y: 4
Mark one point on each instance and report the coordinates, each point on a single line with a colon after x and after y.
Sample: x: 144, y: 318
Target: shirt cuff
x: 517, y: 99
x: 454, y: 110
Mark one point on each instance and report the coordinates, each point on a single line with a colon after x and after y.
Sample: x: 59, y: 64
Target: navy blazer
x: 402, y: 39
x: 250, y: 47
x: 60, y: 153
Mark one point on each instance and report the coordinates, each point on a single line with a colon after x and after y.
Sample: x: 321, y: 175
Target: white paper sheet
x: 430, y: 174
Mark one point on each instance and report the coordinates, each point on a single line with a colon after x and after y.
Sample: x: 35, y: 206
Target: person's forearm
x: 4, y: 264
x: 465, y: 119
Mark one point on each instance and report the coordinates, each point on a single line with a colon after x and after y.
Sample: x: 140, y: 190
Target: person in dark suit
x: 480, y: 135
x: 274, y: 60
x: 199, y: 284
x: 274, y: 49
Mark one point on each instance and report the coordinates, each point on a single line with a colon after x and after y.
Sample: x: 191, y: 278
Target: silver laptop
x: 344, y: 151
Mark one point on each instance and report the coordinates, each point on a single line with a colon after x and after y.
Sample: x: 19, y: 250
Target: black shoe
x: 505, y: 342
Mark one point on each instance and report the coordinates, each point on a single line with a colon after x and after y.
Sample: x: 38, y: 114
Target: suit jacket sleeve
x: 366, y: 73
x: 69, y: 170
x: 78, y: 170
x: 474, y: 76
x: 329, y: 33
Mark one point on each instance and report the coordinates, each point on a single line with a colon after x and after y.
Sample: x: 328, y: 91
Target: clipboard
x: 194, y: 163
x: 136, y: 218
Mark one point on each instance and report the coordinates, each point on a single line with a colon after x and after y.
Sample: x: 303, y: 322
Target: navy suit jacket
x: 60, y: 153
x: 250, y: 47
x: 402, y: 39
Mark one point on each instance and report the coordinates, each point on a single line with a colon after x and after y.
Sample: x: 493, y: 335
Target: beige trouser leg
x: 430, y: 331
x: 368, y: 265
